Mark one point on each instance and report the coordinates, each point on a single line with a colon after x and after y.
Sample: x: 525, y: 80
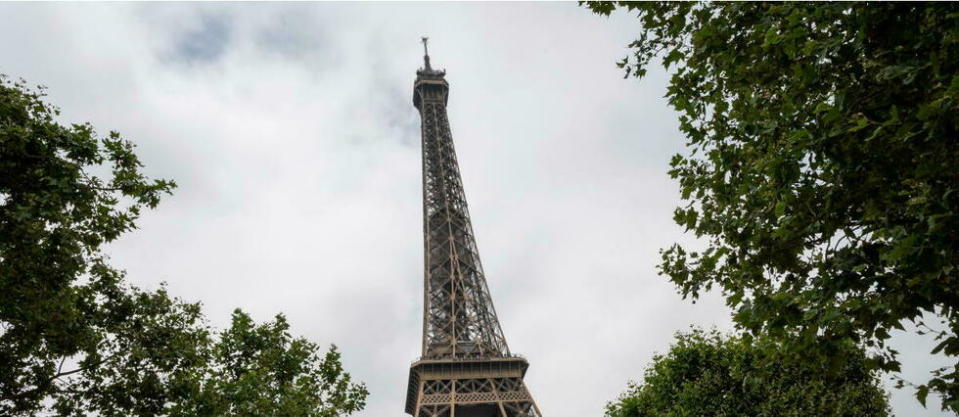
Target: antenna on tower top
x: 426, y: 53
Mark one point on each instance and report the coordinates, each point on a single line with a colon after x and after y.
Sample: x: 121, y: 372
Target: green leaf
x: 780, y: 209
x: 820, y: 149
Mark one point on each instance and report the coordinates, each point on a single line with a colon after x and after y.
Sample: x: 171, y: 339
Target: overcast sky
x: 291, y: 133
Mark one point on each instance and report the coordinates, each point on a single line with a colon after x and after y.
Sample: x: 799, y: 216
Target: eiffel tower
x: 466, y: 369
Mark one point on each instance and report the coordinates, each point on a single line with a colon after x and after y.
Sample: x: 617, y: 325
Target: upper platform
x: 429, y: 81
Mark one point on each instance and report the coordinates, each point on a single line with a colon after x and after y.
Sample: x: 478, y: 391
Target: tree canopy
x: 707, y: 374
x: 75, y: 339
x: 822, y: 167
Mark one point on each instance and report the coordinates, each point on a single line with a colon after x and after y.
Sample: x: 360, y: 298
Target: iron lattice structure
x: 466, y: 369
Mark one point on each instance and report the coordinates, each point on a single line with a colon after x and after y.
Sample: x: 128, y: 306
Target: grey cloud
x: 292, y: 36
x: 205, y: 43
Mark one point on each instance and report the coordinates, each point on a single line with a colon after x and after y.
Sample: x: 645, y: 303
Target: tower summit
x: 466, y: 368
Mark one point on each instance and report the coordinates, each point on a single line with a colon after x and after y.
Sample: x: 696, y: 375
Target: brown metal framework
x: 466, y: 369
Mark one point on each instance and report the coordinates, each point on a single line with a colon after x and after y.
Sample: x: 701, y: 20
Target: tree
x: 822, y: 169
x: 706, y: 374
x: 77, y: 340
x: 178, y: 369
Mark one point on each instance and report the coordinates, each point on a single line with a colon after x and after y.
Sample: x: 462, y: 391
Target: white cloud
x: 291, y: 132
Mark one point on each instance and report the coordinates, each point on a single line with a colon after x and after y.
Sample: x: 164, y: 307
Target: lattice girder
x: 479, y: 396
x: 459, y: 318
x: 466, y: 368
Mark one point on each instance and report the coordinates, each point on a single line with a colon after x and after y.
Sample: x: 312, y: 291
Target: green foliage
x: 822, y: 167
x: 263, y: 371
x: 705, y: 374
x: 57, y: 295
x: 173, y: 367
x: 76, y: 340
